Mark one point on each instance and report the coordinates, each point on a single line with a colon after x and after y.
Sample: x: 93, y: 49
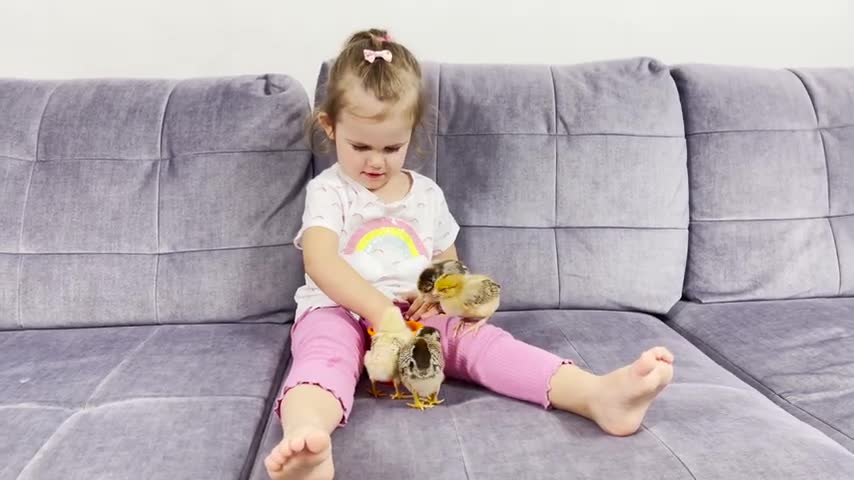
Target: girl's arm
x: 338, y: 280
x: 449, y: 254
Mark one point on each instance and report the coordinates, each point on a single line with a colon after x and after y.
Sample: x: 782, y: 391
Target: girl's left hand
x: 420, y: 307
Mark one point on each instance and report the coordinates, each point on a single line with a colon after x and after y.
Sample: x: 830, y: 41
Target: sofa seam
x: 557, y: 268
x: 541, y: 134
x: 130, y: 354
x: 15, y: 159
x: 157, y: 201
x: 788, y: 219
x: 838, y: 259
x: 173, y: 157
x: 826, y: 164
x: 827, y: 172
x: 38, y: 406
x: 47, y: 441
x: 573, y: 347
x: 156, y: 302
x: 269, y: 404
x: 683, y: 114
x: 26, y: 202
x: 738, y: 370
x: 756, y: 300
x: 171, y: 252
x: 58, y: 406
x: 554, y: 222
x: 20, y: 319
x: 768, y: 130
x: 119, y: 401
x: 438, y: 119
x: 460, y: 443
x: 665, y: 445
x: 41, y: 121
x: 575, y: 227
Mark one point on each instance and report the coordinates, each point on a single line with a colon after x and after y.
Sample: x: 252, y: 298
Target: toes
x: 296, y: 444
x: 282, y: 452
x: 644, y: 364
x: 285, y: 450
x: 272, y: 465
x: 317, y: 442
x: 662, y: 354
x: 660, y: 360
x: 278, y: 456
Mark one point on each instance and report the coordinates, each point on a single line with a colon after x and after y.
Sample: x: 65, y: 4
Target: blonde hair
x: 394, y: 81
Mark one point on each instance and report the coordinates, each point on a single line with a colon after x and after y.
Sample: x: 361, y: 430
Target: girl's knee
x: 338, y: 371
x: 327, y: 348
x: 330, y: 330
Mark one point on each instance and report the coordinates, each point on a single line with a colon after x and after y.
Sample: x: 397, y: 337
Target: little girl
x: 370, y: 226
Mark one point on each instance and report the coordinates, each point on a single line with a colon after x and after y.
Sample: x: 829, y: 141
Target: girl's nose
x: 376, y: 161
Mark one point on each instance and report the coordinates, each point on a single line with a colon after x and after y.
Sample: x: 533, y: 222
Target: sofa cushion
x: 800, y: 353
x: 129, y: 202
x: 769, y: 155
x: 569, y: 182
x: 707, y: 425
x: 154, y: 402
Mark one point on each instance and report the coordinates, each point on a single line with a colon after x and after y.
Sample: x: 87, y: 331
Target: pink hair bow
x: 371, y: 55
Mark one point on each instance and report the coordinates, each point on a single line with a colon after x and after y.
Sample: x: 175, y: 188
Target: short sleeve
x: 445, y: 229
x: 323, y: 208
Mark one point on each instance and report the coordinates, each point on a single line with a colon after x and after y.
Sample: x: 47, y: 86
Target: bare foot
x: 304, y: 455
x: 625, y: 394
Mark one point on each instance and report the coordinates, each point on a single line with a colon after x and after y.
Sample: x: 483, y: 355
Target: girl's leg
x: 327, y: 347
x: 617, y: 401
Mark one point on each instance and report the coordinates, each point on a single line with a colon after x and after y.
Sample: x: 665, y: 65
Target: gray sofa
x: 146, y: 274
x: 770, y: 278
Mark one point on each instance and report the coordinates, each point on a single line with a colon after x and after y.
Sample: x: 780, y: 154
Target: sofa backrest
x: 771, y: 162
x: 150, y: 201
x: 569, y: 182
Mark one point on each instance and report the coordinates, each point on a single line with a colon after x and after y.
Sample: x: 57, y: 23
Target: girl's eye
x: 391, y: 149
x: 361, y: 148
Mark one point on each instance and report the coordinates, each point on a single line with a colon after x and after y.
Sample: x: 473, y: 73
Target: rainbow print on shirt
x: 392, y: 238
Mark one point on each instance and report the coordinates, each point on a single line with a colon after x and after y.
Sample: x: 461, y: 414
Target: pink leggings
x: 328, y: 347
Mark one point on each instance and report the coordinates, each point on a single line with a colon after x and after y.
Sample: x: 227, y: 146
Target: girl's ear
x: 326, y: 124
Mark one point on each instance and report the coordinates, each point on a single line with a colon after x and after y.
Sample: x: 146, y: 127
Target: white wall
x: 175, y: 38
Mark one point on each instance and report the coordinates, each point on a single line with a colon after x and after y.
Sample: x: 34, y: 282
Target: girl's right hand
x: 420, y: 306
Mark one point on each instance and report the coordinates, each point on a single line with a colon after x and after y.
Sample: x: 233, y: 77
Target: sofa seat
x: 154, y: 402
x: 707, y: 425
x: 800, y: 353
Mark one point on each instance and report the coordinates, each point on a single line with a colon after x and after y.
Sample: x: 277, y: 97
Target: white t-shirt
x: 389, y: 244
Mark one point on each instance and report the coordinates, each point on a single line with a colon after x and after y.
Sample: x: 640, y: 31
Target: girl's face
x: 371, y: 139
